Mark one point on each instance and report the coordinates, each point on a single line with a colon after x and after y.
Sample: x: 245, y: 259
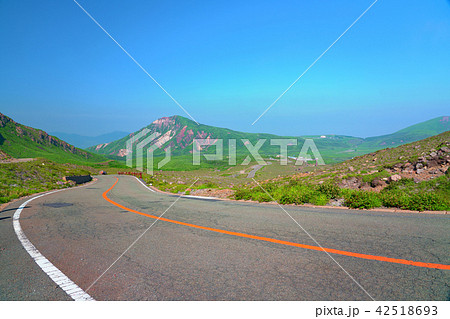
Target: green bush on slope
x: 403, y: 194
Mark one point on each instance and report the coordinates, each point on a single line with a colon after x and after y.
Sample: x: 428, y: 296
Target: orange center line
x: 282, y: 242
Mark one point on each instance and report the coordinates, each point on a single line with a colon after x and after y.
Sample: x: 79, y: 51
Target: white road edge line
x: 71, y: 288
x: 188, y: 196
x: 199, y: 197
x: 152, y: 190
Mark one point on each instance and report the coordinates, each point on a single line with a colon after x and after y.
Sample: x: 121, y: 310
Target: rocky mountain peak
x: 165, y: 122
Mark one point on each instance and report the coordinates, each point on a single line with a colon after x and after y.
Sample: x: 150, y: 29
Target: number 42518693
x: 407, y: 310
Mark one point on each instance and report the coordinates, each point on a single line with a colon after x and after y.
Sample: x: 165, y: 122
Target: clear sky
x: 225, y: 62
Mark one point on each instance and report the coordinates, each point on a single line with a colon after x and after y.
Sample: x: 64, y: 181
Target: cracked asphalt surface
x: 82, y: 234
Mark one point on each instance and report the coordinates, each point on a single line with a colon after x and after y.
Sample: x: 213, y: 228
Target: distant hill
x: 20, y: 141
x: 410, y: 134
x: 84, y: 142
x: 178, y: 133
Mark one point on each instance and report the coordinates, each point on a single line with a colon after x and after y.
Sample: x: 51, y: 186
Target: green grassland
x: 26, y: 178
x: 321, y: 185
x: 404, y: 194
x: 410, y: 134
x: 19, y: 147
x: 20, y: 141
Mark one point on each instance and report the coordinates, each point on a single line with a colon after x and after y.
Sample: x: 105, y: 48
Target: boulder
x: 432, y: 163
x: 395, y: 178
x: 352, y: 182
x: 337, y: 202
x: 377, y: 183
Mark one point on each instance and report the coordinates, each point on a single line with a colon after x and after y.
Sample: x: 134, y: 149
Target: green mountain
x: 178, y: 133
x: 410, y: 134
x: 20, y: 141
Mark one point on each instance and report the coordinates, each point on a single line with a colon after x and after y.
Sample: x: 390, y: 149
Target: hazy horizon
x: 137, y: 129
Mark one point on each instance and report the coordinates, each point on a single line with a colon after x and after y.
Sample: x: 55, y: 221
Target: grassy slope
x: 410, y: 134
x: 322, y: 186
x: 20, y: 141
x: 56, y: 159
x: 4, y: 156
x: 21, y: 179
x: 391, y: 156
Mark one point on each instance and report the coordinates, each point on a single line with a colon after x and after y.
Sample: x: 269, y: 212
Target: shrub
x: 301, y: 193
x: 400, y: 184
x: 178, y: 188
x: 208, y: 184
x: 244, y: 193
x: 262, y: 197
x: 443, y: 184
x: 362, y: 200
x: 397, y: 199
x: 269, y: 187
x: 288, y: 197
x: 427, y: 201
x: 380, y: 175
x: 319, y: 199
x: 329, y: 189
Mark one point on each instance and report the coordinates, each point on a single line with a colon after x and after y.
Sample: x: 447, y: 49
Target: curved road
x: 197, y: 251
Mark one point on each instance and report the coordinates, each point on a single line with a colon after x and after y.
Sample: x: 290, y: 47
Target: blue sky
x: 225, y: 62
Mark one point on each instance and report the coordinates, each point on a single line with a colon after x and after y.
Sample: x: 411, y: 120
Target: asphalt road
x: 82, y: 234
